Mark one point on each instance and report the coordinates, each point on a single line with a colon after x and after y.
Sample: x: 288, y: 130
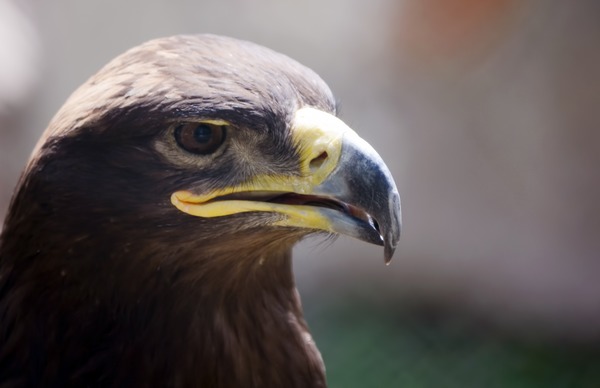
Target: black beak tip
x: 393, y: 233
x: 388, y: 253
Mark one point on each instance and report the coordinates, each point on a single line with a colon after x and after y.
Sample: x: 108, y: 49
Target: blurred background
x: 488, y: 115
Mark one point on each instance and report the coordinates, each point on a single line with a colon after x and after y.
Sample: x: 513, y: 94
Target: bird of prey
x: 148, y: 242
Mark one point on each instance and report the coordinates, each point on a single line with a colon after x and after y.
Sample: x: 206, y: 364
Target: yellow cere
x: 315, y: 132
x: 318, y: 137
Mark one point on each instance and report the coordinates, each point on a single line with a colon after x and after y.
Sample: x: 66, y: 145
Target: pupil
x: 203, y: 133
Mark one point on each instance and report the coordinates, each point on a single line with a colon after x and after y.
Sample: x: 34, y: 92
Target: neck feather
x: 203, y: 316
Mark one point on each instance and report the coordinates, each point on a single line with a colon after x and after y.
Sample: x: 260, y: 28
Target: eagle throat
x: 149, y: 309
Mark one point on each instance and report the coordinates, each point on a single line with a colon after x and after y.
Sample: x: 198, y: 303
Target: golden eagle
x: 148, y: 243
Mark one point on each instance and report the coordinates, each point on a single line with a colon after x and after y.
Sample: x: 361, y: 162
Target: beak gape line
x: 344, y: 187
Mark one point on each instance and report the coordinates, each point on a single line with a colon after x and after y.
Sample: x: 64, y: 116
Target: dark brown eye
x: 200, y: 138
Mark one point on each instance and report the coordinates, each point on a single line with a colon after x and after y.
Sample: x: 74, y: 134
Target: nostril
x: 317, y: 162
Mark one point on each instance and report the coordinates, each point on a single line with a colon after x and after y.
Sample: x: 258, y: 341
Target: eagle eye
x: 200, y: 138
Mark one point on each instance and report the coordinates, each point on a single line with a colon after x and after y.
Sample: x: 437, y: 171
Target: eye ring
x: 200, y: 138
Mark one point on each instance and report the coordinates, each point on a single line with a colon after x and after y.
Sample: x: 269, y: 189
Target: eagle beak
x: 343, y: 187
x: 362, y: 181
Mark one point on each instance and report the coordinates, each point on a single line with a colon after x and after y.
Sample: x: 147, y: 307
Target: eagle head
x: 149, y: 238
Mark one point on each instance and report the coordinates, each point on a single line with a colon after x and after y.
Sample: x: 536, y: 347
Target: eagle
x: 148, y: 241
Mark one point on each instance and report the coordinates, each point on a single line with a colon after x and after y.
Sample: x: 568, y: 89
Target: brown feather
x: 104, y: 283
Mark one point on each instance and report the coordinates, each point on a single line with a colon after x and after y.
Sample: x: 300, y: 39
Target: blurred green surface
x: 366, y: 345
